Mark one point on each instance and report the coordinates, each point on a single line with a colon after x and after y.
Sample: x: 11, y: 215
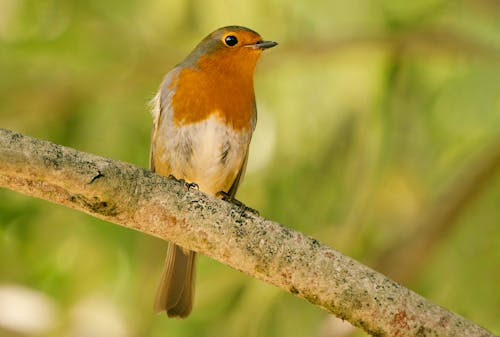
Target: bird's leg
x: 185, y: 183
x: 226, y: 197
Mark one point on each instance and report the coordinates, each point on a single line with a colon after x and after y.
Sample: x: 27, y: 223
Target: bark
x: 136, y: 198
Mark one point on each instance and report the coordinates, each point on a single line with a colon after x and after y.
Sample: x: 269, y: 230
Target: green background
x: 373, y: 116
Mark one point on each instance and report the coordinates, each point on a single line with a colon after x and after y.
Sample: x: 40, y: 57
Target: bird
x: 204, y: 115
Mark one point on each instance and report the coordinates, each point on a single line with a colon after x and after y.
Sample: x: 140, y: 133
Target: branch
x: 139, y: 199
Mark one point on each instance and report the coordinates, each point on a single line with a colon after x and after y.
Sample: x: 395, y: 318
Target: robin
x: 204, y: 115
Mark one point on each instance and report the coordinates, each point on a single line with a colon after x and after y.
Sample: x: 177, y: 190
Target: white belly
x: 208, y: 153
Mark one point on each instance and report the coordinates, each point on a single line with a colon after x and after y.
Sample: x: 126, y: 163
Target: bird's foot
x: 226, y: 197
x: 186, y: 184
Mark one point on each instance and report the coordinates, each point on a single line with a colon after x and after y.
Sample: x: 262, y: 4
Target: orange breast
x: 221, y: 85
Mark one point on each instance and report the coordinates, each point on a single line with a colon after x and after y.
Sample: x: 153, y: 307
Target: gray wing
x: 159, y: 105
x: 151, y: 148
x: 239, y: 178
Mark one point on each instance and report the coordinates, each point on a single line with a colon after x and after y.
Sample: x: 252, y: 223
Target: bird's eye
x: 230, y: 40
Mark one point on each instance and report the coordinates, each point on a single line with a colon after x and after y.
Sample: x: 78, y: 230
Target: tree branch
x: 139, y: 199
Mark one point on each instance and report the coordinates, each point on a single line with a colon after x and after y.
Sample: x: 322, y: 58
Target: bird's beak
x: 263, y: 45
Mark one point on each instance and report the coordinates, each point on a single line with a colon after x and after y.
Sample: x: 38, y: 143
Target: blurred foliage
x: 367, y: 111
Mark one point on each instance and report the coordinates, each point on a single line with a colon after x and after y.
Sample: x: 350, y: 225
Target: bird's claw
x: 186, y: 184
x: 226, y: 197
x: 192, y: 185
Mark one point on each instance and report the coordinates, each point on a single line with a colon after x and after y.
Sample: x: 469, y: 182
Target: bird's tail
x: 176, y: 290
